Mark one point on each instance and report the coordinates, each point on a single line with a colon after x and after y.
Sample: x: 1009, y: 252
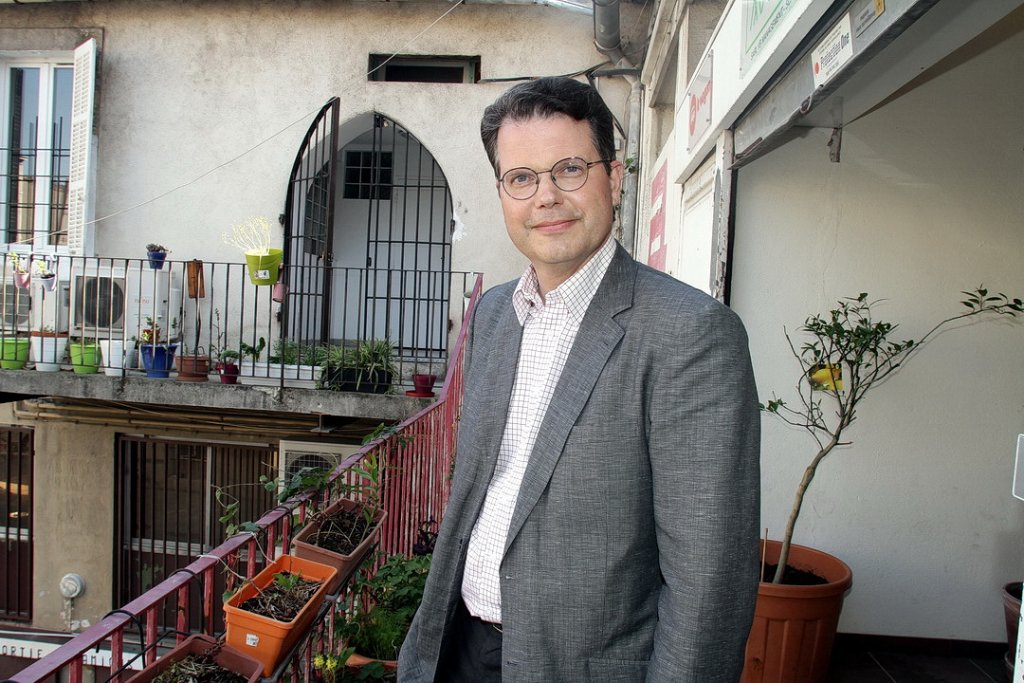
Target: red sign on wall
x: 657, y: 248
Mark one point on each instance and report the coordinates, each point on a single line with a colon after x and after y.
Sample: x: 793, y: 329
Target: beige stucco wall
x: 221, y: 93
x: 926, y: 202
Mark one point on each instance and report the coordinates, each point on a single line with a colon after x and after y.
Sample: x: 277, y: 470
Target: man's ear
x: 615, y: 177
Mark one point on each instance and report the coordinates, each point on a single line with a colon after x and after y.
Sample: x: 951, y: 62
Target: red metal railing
x: 415, y: 459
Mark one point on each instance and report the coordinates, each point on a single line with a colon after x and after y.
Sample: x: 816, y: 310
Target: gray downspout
x: 608, y: 41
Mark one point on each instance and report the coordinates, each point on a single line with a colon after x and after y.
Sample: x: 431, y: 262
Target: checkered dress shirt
x: 550, y: 325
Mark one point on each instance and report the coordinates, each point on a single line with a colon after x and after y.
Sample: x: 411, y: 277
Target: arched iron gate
x: 383, y: 193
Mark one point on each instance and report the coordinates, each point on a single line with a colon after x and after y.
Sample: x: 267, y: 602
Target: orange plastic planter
x: 226, y: 658
x: 345, y: 564
x: 795, y: 626
x: 268, y: 640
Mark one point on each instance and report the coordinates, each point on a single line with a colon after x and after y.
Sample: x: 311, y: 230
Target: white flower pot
x: 48, y: 352
x: 113, y: 356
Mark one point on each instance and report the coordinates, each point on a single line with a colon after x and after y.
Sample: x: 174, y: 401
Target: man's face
x: 558, y: 231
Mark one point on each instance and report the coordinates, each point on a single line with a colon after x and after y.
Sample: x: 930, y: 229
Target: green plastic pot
x: 264, y: 269
x: 14, y: 353
x: 85, y: 358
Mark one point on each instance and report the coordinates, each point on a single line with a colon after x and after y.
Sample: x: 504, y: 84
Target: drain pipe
x: 608, y: 41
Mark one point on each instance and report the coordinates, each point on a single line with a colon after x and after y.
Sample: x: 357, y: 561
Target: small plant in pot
x: 342, y: 533
x: 380, y: 608
x: 847, y: 353
x: 158, y: 351
x: 156, y: 254
x: 368, y: 368
x: 200, y: 658
x: 270, y: 613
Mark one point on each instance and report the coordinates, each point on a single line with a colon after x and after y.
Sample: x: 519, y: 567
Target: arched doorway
x: 368, y: 238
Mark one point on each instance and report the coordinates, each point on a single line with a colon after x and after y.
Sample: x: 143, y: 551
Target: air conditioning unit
x: 22, y: 310
x: 294, y: 455
x: 113, y: 303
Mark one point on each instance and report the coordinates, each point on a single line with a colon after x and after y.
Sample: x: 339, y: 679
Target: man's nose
x: 547, y: 192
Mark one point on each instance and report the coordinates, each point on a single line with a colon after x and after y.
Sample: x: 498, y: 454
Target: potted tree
x: 847, y: 354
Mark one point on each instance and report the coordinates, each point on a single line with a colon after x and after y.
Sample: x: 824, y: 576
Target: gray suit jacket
x: 632, y: 551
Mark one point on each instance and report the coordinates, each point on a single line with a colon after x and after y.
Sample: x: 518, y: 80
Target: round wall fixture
x: 71, y: 585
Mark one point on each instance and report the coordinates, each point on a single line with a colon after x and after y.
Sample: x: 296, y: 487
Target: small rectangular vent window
x: 424, y: 68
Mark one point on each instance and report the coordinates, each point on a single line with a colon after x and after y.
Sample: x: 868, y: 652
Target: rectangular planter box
x: 227, y: 658
x: 345, y: 564
x: 268, y: 640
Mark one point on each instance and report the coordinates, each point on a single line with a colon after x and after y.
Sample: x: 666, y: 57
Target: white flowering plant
x: 252, y: 236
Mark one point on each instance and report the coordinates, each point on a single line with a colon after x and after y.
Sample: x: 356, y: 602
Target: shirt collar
x: 577, y: 292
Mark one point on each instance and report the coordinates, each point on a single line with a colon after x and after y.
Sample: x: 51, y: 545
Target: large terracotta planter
x: 1011, y: 612
x: 226, y: 658
x: 302, y: 545
x: 795, y: 626
x: 262, y: 638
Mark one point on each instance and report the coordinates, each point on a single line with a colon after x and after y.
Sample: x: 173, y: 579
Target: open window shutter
x: 81, y: 231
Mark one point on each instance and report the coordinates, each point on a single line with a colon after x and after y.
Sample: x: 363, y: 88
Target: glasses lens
x: 570, y: 174
x: 520, y: 183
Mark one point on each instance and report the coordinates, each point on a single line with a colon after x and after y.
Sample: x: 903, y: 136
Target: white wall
x: 187, y: 88
x: 927, y: 201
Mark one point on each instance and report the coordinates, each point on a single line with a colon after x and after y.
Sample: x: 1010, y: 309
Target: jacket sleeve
x: 704, y: 440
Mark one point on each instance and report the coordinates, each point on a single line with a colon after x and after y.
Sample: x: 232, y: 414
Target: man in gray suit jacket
x: 602, y: 524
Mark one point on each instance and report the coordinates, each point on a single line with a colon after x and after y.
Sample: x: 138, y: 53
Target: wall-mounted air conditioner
x: 27, y: 309
x: 15, y: 307
x: 115, y: 303
x: 294, y: 455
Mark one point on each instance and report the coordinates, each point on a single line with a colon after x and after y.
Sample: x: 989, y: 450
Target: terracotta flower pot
x: 268, y: 640
x: 193, y: 369
x: 795, y: 626
x: 226, y: 657
x: 302, y: 545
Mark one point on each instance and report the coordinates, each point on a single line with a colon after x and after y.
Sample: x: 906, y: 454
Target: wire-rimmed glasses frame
x: 568, y: 175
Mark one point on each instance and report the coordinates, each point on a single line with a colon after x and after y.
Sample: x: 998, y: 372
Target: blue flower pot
x: 156, y: 259
x: 158, y: 359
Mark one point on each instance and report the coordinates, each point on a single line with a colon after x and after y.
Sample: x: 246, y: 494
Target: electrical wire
x: 303, y: 118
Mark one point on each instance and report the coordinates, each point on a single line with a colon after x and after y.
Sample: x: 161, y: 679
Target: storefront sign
x: 833, y: 52
x: 698, y: 98
x: 33, y: 649
x: 761, y: 19
x: 657, y: 248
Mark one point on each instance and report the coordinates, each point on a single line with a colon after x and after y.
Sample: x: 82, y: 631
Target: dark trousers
x: 472, y: 651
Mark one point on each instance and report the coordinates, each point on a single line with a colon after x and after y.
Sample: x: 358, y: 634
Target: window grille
x: 368, y: 174
x: 167, y: 512
x: 16, y: 524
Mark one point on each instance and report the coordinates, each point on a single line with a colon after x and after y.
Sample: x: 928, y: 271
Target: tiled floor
x: 858, y: 665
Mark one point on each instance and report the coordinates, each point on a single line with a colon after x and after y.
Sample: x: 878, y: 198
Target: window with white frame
x: 36, y: 153
x: 46, y: 142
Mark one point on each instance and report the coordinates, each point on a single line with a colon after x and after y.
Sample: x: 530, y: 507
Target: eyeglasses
x: 567, y: 175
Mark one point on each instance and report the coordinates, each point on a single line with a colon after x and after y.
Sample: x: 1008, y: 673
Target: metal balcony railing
x: 296, y: 333
x: 415, y: 462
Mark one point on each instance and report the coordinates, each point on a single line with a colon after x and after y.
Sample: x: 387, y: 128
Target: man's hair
x: 545, y: 97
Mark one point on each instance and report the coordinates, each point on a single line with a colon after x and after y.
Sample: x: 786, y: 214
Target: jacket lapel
x: 598, y: 336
